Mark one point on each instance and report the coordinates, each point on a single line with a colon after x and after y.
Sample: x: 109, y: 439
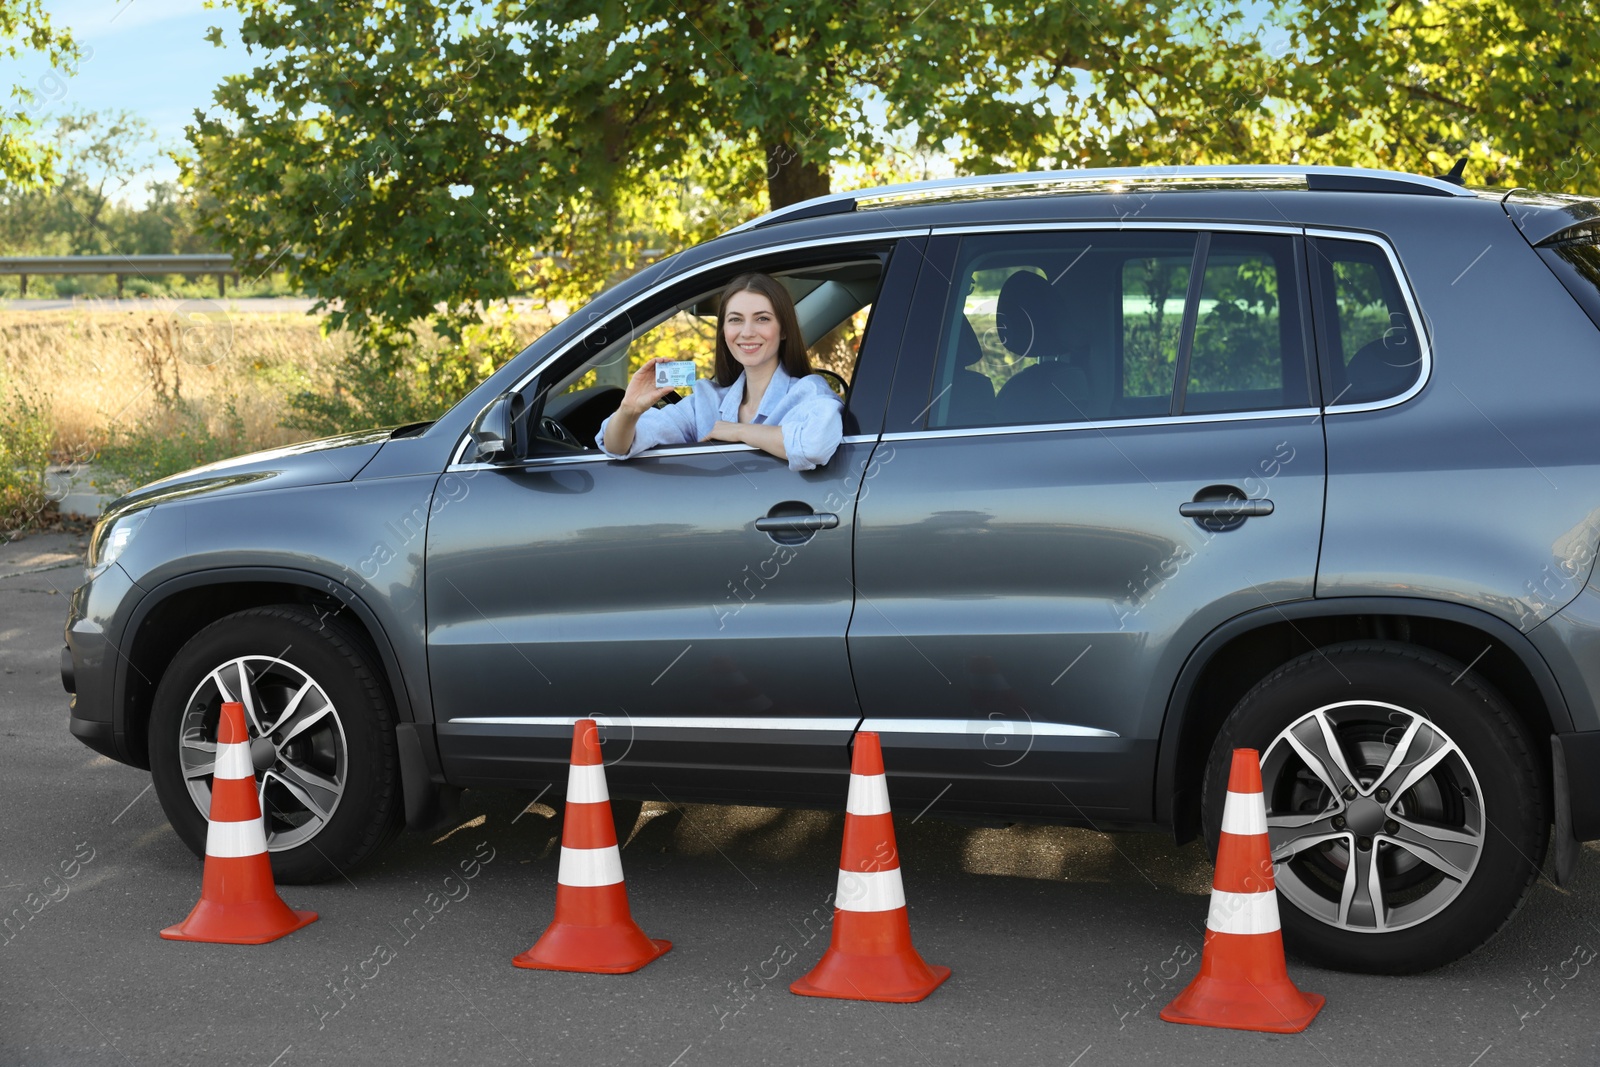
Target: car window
x: 1371, y: 349
x: 1154, y: 290
x: 1249, y: 350
x: 1576, y: 260
x: 833, y: 303
x: 1082, y: 325
x: 1060, y: 327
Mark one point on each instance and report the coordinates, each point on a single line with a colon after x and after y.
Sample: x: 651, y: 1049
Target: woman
x: 762, y: 393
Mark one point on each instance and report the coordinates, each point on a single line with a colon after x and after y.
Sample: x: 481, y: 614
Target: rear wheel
x: 321, y: 737
x: 1406, y: 812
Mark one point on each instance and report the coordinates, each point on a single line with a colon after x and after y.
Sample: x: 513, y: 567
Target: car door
x: 1111, y: 447
x: 693, y: 599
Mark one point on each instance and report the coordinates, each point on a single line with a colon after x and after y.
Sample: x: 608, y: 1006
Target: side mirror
x: 494, y: 431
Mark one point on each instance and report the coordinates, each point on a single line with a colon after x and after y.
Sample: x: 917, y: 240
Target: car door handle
x: 796, y: 523
x: 1224, y: 509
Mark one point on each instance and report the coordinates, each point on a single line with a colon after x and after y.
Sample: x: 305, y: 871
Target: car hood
x: 331, y: 459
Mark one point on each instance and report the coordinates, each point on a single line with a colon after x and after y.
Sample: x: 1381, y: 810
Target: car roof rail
x: 1113, y: 179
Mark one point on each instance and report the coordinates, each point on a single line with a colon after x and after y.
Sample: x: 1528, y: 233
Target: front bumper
x: 89, y: 661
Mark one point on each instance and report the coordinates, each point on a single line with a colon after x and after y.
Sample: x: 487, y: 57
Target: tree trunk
x: 791, y: 178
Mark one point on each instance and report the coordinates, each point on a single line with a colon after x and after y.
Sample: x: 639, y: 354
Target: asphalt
x: 1064, y: 944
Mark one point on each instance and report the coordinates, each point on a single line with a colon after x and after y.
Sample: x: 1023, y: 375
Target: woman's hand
x: 643, y: 392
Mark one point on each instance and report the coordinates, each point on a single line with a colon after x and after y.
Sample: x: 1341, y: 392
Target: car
x: 1138, y: 467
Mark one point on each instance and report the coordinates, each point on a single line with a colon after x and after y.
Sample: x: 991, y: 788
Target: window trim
x: 1309, y: 297
x: 1203, y: 228
x: 1407, y: 294
x: 1105, y: 424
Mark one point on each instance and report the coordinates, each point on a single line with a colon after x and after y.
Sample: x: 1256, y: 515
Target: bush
x: 25, y: 433
x: 389, y: 381
x: 178, y: 436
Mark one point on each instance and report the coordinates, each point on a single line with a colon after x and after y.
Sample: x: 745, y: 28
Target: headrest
x: 1378, y: 371
x: 1027, y: 317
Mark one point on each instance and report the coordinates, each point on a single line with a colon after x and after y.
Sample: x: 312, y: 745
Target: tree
x: 25, y: 27
x: 423, y: 155
x: 1511, y: 84
x: 98, y: 156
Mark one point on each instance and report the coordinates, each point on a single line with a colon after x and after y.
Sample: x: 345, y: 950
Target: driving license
x: 675, y: 373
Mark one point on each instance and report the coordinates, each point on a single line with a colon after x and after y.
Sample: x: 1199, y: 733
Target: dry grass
x: 98, y: 369
x: 95, y: 370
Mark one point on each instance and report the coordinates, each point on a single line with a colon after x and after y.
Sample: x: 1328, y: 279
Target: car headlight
x: 111, y: 537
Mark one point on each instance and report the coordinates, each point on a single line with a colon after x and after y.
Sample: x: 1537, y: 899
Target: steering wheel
x: 552, y: 430
x: 840, y: 386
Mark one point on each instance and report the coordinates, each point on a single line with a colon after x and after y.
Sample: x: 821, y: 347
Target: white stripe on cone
x: 1244, y: 814
x: 233, y: 763
x: 1243, y: 913
x: 869, y: 795
x: 234, y: 840
x: 869, y: 891
x: 586, y: 784
x: 589, y: 867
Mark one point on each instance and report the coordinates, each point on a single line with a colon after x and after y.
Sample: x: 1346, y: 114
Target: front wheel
x: 1406, y: 812
x: 321, y: 737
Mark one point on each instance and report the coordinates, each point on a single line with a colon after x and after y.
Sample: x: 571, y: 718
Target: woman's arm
x: 813, y: 429
x: 619, y: 433
x: 767, y: 437
x: 805, y: 436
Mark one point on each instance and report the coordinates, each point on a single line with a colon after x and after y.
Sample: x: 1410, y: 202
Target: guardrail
x: 190, y: 265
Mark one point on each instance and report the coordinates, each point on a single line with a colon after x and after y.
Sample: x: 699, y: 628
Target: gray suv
x: 1138, y: 466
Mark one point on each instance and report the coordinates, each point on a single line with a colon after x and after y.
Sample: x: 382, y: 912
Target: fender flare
x: 427, y: 799
x: 1167, y: 750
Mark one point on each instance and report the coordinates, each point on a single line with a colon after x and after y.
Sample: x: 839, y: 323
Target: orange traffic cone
x: 1243, y: 983
x: 870, y: 957
x: 593, y: 930
x: 239, y: 905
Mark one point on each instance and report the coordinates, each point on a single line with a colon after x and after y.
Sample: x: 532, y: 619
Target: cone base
x: 254, y: 923
x: 886, y: 979
x: 1276, y: 1009
x: 618, y: 949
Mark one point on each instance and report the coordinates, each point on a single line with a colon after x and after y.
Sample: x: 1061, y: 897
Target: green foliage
x: 179, y: 435
x: 1415, y: 85
x: 25, y: 433
x: 422, y: 155
x: 78, y: 214
x: 1153, y: 291
x: 25, y: 26
x: 393, y: 380
x: 1237, y: 345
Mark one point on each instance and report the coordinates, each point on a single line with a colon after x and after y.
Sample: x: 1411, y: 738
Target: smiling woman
x: 762, y: 392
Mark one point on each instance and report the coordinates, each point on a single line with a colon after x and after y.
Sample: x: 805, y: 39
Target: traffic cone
x: 239, y: 905
x: 593, y: 929
x: 870, y: 957
x: 1243, y: 983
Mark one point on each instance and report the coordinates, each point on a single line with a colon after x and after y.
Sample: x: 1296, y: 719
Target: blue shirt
x: 808, y: 411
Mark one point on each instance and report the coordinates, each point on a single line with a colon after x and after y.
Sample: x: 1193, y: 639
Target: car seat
x: 1030, y: 322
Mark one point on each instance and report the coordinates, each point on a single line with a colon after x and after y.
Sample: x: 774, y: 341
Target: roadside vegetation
x: 144, y: 394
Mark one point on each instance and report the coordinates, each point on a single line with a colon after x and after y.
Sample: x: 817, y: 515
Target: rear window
x: 1576, y: 261
x: 1371, y: 349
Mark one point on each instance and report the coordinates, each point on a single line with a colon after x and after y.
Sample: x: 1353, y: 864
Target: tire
x: 1455, y: 827
x: 330, y: 783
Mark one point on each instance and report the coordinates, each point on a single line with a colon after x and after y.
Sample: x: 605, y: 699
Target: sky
x: 149, y: 57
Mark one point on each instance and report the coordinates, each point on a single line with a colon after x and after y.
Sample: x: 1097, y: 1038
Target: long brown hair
x: 791, y: 350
